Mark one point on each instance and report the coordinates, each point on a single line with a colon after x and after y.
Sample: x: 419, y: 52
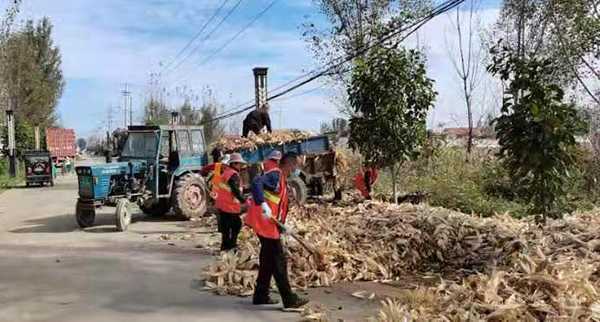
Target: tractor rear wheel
x: 122, y: 214
x: 85, y: 215
x: 189, y: 196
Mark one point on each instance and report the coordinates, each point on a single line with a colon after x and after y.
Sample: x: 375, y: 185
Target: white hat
x: 236, y: 158
x: 274, y: 155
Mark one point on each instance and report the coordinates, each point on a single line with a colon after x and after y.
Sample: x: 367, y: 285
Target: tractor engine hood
x: 111, y: 169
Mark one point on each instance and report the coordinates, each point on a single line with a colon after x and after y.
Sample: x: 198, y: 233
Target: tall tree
x: 32, y: 72
x: 536, y: 130
x: 391, y: 94
x: 564, y: 31
x: 6, y: 23
x: 466, y: 56
x: 353, y: 26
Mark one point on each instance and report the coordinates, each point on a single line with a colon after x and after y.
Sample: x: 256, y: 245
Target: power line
x: 442, y: 8
x: 258, y: 16
x: 229, y: 13
x: 232, y: 39
x: 196, y: 36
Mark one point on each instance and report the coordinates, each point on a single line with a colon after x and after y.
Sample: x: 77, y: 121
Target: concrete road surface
x: 50, y: 270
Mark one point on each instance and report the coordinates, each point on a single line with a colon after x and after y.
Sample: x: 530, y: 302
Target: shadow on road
x: 58, y: 224
x: 104, y: 223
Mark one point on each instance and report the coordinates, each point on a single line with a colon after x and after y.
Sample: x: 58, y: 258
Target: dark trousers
x: 272, y: 262
x: 229, y: 227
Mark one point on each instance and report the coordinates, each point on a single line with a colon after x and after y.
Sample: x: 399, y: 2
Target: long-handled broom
x: 319, y: 257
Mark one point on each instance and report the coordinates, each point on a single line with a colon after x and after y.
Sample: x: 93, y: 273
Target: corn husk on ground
x: 490, y: 269
x: 232, y: 143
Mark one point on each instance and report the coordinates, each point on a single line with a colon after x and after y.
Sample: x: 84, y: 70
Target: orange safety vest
x: 359, y: 181
x: 225, y: 200
x: 270, y: 165
x: 217, y: 175
x: 278, y: 202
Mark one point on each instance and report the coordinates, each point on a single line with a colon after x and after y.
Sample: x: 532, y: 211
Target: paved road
x: 50, y: 270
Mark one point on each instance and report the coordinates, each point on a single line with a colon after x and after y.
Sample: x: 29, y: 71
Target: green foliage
x: 536, y: 131
x: 391, y: 95
x: 5, y: 180
x: 455, y: 184
x: 32, y: 72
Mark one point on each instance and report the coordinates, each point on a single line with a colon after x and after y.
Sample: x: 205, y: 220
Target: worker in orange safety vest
x: 270, y: 204
x: 364, y: 180
x: 272, y: 161
x: 230, y: 202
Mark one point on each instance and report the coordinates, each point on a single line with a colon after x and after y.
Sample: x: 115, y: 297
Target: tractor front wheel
x: 85, y: 215
x: 189, y: 196
x: 122, y: 214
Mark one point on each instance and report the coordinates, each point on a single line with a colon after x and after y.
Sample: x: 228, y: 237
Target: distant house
x: 463, y: 132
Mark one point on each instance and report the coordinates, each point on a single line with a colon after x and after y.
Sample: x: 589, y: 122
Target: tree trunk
x: 470, y: 138
x: 394, y: 187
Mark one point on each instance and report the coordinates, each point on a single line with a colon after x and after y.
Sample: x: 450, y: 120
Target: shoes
x: 267, y: 301
x: 295, y: 302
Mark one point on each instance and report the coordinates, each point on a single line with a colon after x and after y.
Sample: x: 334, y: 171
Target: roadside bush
x: 479, y: 186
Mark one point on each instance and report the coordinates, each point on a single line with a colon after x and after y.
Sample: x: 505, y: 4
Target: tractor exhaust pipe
x: 260, y: 86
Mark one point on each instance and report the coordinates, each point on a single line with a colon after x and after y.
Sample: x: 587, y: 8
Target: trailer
x: 317, y: 174
x: 61, y: 144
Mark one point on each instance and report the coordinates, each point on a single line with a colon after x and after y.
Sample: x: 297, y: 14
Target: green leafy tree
x: 536, y: 130
x: 33, y: 73
x: 391, y: 94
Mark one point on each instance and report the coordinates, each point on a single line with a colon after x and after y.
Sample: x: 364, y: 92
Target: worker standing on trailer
x: 256, y: 120
x: 229, y: 201
x: 269, y: 205
x: 272, y: 161
x: 365, y: 179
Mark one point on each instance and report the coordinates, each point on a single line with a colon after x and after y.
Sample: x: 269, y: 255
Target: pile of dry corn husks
x: 233, y: 143
x: 492, y: 268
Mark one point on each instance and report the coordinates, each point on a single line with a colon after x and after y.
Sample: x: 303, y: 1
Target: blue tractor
x: 158, y: 169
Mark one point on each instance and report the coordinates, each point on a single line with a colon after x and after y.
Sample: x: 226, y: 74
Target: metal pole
x: 12, y: 155
x: 130, y: 111
x: 37, y: 137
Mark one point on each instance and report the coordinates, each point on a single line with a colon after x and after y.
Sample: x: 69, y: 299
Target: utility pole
x: 126, y: 101
x: 12, y: 155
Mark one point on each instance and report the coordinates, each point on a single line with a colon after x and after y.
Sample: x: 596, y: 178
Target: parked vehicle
x: 38, y: 168
x: 157, y: 169
x: 61, y: 144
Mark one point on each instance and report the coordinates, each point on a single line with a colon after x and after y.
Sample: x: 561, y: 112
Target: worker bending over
x: 269, y: 205
x: 256, y: 120
x: 365, y: 179
x: 229, y: 201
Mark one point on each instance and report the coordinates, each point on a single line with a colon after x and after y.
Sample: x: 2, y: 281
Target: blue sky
x: 107, y: 43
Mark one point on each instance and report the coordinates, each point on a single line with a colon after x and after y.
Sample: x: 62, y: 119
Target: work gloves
x: 266, y: 210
